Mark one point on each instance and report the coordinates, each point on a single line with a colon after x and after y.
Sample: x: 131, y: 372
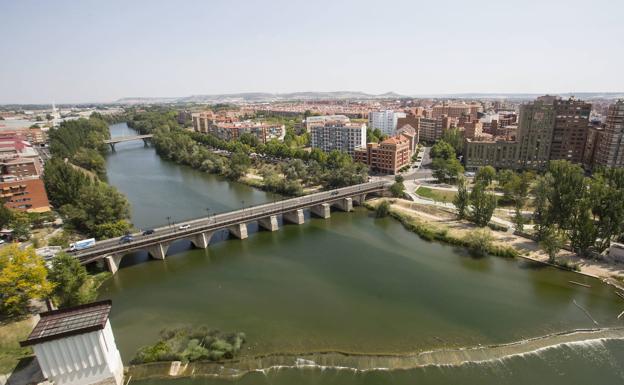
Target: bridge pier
x: 295, y: 217
x: 112, y: 262
x: 323, y: 210
x: 239, y: 230
x: 269, y: 223
x: 158, y: 251
x: 345, y: 204
x: 202, y: 240
x: 359, y: 199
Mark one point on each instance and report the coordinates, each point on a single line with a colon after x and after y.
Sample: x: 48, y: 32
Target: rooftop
x: 67, y: 322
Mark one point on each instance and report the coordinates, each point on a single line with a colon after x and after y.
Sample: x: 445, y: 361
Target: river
x: 360, y: 287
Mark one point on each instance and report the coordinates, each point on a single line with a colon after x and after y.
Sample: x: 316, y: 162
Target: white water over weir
x: 371, y: 362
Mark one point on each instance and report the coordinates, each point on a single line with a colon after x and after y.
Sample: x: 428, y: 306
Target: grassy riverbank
x: 475, y: 239
x: 10, y: 351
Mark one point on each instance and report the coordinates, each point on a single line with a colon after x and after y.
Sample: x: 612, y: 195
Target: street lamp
x: 169, y: 221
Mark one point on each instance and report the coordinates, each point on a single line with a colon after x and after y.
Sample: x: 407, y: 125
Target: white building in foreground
x: 75, y: 346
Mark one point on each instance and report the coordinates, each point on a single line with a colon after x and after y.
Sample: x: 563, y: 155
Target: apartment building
x: 16, y: 168
x: 232, y: 131
x: 473, y: 129
x: 387, y: 157
x: 227, y: 127
x: 532, y: 146
x: 386, y: 120
x: 312, y: 121
x: 592, y: 142
x: 535, y: 132
x: 430, y: 130
x: 570, y: 130
x: 457, y: 110
x: 338, y: 136
x: 610, y: 150
x: 27, y: 194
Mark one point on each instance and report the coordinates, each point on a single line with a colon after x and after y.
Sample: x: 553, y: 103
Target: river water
x: 345, y: 300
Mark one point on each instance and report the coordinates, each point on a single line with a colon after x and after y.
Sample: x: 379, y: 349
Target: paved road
x: 171, y: 233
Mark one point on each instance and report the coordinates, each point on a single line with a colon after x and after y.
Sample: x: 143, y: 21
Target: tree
x: 72, y: 283
x: 442, y: 150
x: 21, y: 225
x: 518, y: 219
x: 446, y: 170
x: 239, y: 164
x: 462, y: 199
x: 607, y: 200
x: 397, y: 189
x: 568, y: 186
x: 504, y: 176
x: 582, y: 229
x: 382, y: 210
x: 483, y: 205
x: 6, y: 215
x: 455, y: 138
x: 541, y: 192
x: 479, y: 241
x: 23, y: 277
x: 552, y: 241
x: 486, y: 175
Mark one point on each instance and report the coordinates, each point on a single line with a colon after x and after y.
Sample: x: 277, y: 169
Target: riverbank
x: 441, y: 225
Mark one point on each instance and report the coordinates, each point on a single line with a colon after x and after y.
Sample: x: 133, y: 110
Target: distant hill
x: 258, y: 97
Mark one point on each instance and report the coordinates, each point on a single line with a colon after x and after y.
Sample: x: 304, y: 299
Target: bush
x: 186, y: 344
x: 382, y: 210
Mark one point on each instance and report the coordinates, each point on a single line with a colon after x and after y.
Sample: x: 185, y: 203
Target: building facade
x: 338, y: 136
x: 385, y: 121
x: 570, y: 131
x: 431, y: 130
x: 610, y: 152
x: 387, y: 157
x: 76, y: 346
x: 312, y: 121
x: 535, y: 132
x: 27, y: 194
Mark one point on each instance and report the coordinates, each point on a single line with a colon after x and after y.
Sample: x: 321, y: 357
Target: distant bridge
x: 113, y: 141
x: 201, y: 230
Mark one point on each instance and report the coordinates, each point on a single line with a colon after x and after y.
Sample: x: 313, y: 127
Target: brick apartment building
x: 25, y: 195
x: 392, y: 154
x: 227, y: 127
x: 610, y: 149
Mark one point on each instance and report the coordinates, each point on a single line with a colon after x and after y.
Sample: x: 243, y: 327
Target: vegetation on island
x: 191, y: 344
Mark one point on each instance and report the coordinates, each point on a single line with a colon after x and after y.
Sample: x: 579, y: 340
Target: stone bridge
x: 200, y: 231
x: 113, y: 141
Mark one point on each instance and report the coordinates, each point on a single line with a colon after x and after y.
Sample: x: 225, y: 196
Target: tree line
x: 87, y: 203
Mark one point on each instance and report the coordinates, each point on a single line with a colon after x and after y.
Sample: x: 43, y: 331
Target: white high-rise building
x: 338, y: 136
x: 386, y: 121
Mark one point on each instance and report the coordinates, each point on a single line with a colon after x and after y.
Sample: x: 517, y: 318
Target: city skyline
x: 84, y: 52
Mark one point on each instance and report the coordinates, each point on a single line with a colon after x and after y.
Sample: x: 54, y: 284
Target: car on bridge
x: 126, y: 239
x: 184, y: 227
x: 148, y: 232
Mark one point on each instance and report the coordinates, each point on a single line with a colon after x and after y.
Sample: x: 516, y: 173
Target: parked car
x: 149, y: 232
x: 184, y: 227
x: 126, y: 239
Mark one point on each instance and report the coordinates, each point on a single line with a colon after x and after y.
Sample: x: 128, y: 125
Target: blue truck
x: 81, y: 245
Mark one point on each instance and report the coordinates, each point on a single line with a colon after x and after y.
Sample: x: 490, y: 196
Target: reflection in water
x: 351, y: 283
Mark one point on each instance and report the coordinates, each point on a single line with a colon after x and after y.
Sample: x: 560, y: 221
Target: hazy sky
x: 73, y: 51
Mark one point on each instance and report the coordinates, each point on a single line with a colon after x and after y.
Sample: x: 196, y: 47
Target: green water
x: 351, y: 283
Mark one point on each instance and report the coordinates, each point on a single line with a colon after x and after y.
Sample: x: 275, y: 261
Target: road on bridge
x: 223, y: 220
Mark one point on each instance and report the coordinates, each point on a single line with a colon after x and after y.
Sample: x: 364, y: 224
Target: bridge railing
x: 224, y: 220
